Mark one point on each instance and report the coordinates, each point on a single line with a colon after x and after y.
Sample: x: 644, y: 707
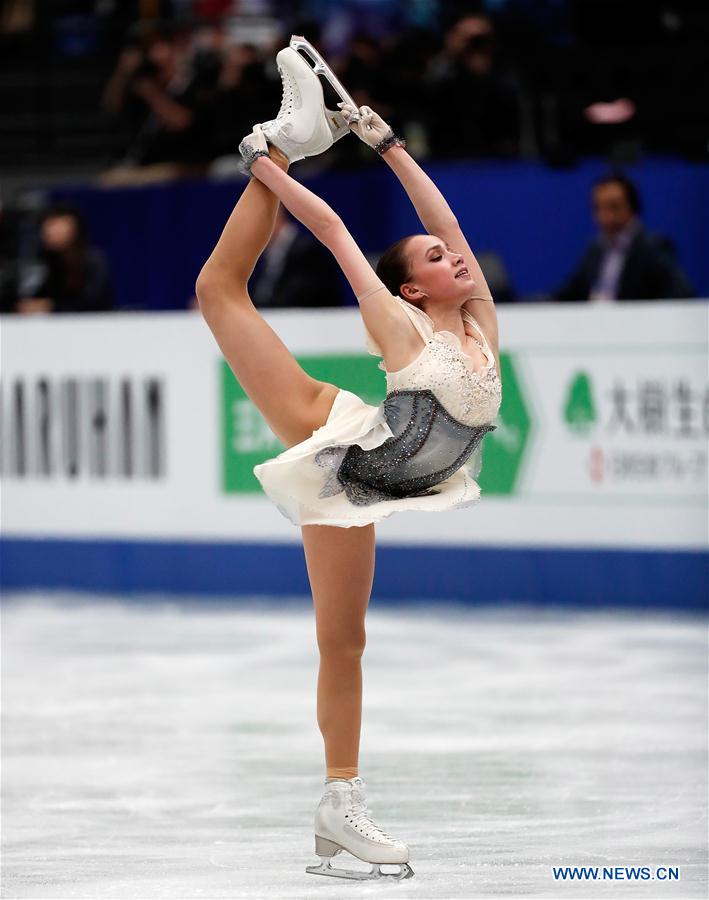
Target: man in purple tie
x: 625, y: 261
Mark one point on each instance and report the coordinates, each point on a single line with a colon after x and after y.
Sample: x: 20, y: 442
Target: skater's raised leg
x: 293, y: 403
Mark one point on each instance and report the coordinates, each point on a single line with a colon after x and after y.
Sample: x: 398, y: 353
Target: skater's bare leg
x: 341, y: 569
x: 293, y: 403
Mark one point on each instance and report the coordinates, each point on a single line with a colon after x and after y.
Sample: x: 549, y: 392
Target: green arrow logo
x: 246, y: 440
x: 579, y: 408
x: 504, y: 448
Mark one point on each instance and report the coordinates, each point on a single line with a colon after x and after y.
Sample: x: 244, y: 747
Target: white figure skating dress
x: 420, y: 449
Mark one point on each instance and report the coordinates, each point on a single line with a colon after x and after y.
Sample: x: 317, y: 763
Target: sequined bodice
x: 438, y: 409
x: 445, y: 369
x: 427, y: 445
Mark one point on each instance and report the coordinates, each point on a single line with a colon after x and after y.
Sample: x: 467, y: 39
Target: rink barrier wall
x: 576, y: 578
x: 127, y: 451
x: 487, y: 198
x: 141, y: 432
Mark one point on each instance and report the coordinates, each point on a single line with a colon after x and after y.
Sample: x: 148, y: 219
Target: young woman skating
x: 428, y: 312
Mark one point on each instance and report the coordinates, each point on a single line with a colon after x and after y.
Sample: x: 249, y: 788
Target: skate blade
x: 374, y: 874
x: 320, y: 67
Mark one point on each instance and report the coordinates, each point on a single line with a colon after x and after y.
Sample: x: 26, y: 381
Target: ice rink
x: 170, y: 750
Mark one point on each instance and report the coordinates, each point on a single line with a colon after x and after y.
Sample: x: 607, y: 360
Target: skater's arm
x: 434, y: 212
x: 383, y: 317
x: 438, y: 218
x: 431, y: 206
x: 436, y: 215
x: 307, y: 207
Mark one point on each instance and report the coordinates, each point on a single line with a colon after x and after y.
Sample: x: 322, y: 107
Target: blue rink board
x: 592, y: 578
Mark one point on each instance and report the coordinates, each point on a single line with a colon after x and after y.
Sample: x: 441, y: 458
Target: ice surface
x: 171, y: 750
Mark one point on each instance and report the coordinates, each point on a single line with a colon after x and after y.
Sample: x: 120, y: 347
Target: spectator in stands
x: 294, y: 270
x: 245, y: 94
x: 362, y: 69
x: 165, y: 96
x: 472, y: 105
x: 73, y: 274
x: 8, y: 258
x: 625, y: 261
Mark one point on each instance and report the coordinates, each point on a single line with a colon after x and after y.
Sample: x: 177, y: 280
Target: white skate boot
x: 342, y: 822
x: 303, y: 126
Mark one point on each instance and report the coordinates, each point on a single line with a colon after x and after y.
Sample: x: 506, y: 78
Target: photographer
x: 473, y: 107
x: 165, y: 97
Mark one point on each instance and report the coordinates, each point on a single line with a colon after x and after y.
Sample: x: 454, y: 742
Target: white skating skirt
x: 296, y: 483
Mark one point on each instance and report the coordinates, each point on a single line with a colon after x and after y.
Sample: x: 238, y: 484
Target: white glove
x: 371, y: 128
x: 253, y: 146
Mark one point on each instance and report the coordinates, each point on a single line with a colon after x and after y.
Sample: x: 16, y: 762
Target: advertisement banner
x: 133, y: 426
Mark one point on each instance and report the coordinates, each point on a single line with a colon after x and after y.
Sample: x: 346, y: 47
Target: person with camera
x: 164, y: 94
x: 471, y: 104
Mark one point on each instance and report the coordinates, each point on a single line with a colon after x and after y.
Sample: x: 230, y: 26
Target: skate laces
x: 287, y: 87
x: 360, y: 816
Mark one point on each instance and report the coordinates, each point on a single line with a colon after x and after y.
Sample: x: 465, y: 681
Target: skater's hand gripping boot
x: 251, y: 147
x: 370, y: 128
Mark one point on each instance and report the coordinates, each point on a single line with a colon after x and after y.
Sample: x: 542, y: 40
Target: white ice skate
x: 304, y: 126
x: 342, y: 822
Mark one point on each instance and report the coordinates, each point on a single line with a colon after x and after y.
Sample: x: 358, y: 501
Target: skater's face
x: 438, y: 272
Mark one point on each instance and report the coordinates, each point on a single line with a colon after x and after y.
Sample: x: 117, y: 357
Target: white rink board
x: 557, y: 503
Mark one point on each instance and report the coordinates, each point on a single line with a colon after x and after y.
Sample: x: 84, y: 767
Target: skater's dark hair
x: 394, y: 267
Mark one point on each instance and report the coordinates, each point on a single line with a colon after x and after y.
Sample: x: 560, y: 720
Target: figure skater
x: 428, y: 312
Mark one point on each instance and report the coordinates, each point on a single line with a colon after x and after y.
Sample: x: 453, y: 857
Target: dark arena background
x: 535, y: 677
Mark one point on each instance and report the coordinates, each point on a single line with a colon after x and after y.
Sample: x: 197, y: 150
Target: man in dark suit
x: 625, y: 261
